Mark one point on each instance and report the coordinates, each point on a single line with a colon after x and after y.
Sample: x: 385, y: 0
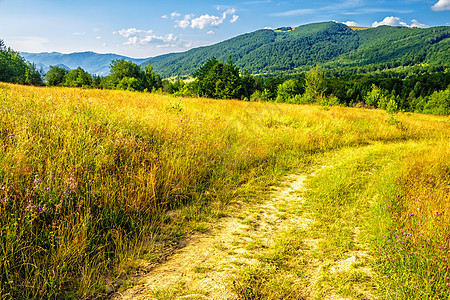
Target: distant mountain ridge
x: 89, y: 61
x: 329, y: 44
x: 288, y: 50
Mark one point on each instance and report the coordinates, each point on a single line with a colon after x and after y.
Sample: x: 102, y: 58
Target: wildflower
x: 411, y: 214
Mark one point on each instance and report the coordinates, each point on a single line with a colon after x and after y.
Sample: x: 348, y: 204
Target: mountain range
x: 288, y: 50
x: 91, y: 62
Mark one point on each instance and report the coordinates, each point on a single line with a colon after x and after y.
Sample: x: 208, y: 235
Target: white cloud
x: 99, y: 37
x: 395, y: 21
x: 441, y: 5
x: 234, y: 19
x: 350, y: 23
x: 210, y: 32
x: 230, y: 11
x: 390, y: 21
x: 185, y: 22
x: 416, y: 24
x: 79, y: 33
x: 144, y: 37
x: 204, y: 21
x: 165, y: 17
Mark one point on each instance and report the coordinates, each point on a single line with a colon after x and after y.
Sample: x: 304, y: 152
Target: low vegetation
x: 89, y: 178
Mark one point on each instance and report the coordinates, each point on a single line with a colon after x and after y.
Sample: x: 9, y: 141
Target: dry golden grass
x: 87, y: 176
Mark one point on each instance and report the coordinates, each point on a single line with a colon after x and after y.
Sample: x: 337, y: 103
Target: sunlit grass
x: 87, y: 176
x: 414, y: 243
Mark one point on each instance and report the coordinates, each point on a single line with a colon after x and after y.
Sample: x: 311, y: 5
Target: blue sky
x: 139, y: 28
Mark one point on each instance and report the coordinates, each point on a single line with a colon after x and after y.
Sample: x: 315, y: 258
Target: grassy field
x: 89, y: 178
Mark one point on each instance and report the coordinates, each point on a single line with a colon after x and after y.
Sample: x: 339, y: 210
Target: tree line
x: 406, y: 89
x: 15, y: 69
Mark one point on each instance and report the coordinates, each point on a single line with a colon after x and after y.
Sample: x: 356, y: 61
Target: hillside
x: 287, y: 50
x: 331, y: 44
x: 91, y: 62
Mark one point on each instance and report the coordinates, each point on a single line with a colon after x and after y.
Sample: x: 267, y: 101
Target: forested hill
x: 330, y: 44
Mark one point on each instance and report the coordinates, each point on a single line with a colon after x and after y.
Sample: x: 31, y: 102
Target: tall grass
x: 414, y: 242
x: 388, y: 204
x: 87, y: 176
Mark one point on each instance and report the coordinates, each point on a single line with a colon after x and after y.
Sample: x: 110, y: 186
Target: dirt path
x: 207, y: 267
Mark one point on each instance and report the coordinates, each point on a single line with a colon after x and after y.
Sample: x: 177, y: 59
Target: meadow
x: 89, y: 181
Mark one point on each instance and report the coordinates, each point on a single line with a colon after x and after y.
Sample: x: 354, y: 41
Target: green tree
x: 78, y: 78
x: 288, y: 90
x: 314, y: 84
x: 218, y: 80
x: 120, y: 69
x: 439, y: 103
x: 152, y: 81
x: 375, y: 97
x: 129, y: 84
x: 392, y: 106
x: 55, y: 76
x: 15, y: 69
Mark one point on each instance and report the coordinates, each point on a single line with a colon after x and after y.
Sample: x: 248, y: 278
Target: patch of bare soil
x: 205, y: 267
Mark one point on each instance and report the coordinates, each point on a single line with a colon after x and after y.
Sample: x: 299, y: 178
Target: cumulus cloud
x: 144, y: 37
x: 184, y: 23
x: 204, y: 21
x: 210, y: 32
x: 350, y: 23
x: 416, y: 24
x: 441, y: 5
x: 395, y: 21
x: 390, y: 21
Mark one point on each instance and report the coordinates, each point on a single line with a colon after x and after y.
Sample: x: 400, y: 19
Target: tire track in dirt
x: 206, y: 267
